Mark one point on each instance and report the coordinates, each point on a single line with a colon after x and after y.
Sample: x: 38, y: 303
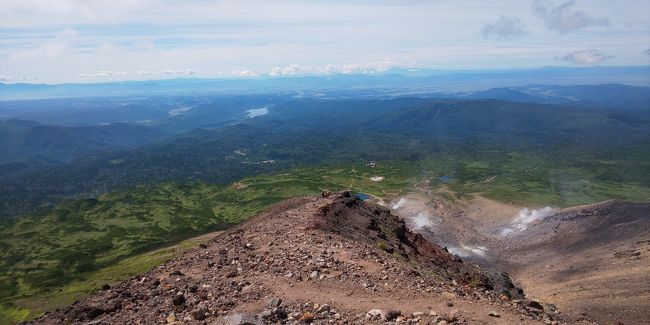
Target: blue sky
x: 57, y: 41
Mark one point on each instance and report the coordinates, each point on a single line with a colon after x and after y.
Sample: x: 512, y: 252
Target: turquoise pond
x: 362, y: 196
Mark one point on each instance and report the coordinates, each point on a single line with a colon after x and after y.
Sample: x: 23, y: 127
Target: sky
x: 59, y: 41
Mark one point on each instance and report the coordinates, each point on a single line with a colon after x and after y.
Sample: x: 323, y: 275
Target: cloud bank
x: 292, y: 69
x: 111, y: 74
x: 103, y: 74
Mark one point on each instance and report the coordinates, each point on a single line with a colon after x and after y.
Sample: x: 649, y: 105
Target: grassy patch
x: 533, y: 179
x: 10, y: 314
x: 382, y: 245
x: 89, y: 283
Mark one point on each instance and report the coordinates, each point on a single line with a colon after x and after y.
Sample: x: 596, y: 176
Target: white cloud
x: 106, y: 74
x: 346, y: 68
x: 166, y: 72
x: 245, y: 73
x: 586, y: 56
x: 7, y: 79
x: 563, y: 18
x: 181, y: 72
x: 327, y: 69
x: 292, y: 69
x: 505, y: 27
x: 367, y: 68
x: 647, y: 52
x: 11, y: 79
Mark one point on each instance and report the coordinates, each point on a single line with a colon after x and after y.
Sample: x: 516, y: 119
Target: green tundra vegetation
x: 537, y: 179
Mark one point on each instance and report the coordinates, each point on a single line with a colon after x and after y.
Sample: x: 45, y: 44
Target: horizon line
x: 398, y: 71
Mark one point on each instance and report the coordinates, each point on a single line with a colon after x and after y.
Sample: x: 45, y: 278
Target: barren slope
x: 592, y: 261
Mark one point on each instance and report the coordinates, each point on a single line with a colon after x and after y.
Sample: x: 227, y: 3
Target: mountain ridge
x: 312, y: 259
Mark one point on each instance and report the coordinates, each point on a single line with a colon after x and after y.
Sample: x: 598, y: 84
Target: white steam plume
x: 400, y: 204
x: 526, y: 217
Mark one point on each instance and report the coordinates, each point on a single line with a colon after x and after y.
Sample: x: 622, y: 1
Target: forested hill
x: 317, y: 132
x: 24, y: 140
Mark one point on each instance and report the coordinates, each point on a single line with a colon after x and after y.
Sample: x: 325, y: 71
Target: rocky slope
x: 591, y: 261
x: 329, y: 259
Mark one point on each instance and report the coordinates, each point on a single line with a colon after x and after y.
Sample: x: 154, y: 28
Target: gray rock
x: 240, y: 319
x: 323, y: 308
x: 373, y: 314
x: 268, y: 313
x: 494, y: 314
x: 274, y: 303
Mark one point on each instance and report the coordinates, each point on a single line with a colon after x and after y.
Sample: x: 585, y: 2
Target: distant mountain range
x: 608, y: 95
x: 400, y: 82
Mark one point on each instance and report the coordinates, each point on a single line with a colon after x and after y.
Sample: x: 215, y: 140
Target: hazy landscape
x: 504, y: 193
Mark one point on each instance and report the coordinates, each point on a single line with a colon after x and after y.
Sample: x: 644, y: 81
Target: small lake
x: 362, y: 196
x: 254, y: 112
x: 446, y: 179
